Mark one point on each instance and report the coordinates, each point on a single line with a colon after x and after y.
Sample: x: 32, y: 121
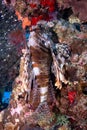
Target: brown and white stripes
x: 41, y: 61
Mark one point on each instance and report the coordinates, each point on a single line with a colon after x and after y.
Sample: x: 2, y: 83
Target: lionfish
x: 34, y: 87
x: 46, y: 57
x: 42, y: 58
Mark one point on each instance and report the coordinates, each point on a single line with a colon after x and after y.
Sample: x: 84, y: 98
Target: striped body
x: 41, y: 62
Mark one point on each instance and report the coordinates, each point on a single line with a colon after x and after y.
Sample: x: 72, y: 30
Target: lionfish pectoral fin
x: 35, y: 89
x: 58, y: 84
x: 43, y: 108
x: 60, y: 79
x: 30, y: 86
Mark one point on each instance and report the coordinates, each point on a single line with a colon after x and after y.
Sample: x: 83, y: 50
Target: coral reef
x: 30, y: 12
x: 50, y: 92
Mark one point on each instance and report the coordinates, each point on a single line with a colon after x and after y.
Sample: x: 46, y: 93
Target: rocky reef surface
x: 61, y: 54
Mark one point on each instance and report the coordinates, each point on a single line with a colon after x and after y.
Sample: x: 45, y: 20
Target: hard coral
x: 65, y: 31
x: 79, y: 7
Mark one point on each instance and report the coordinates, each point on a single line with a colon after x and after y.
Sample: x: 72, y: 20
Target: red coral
x: 51, y: 7
x: 71, y: 96
x: 34, y: 11
x: 44, y: 2
x: 36, y: 19
x: 32, y: 5
x: 50, y: 4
